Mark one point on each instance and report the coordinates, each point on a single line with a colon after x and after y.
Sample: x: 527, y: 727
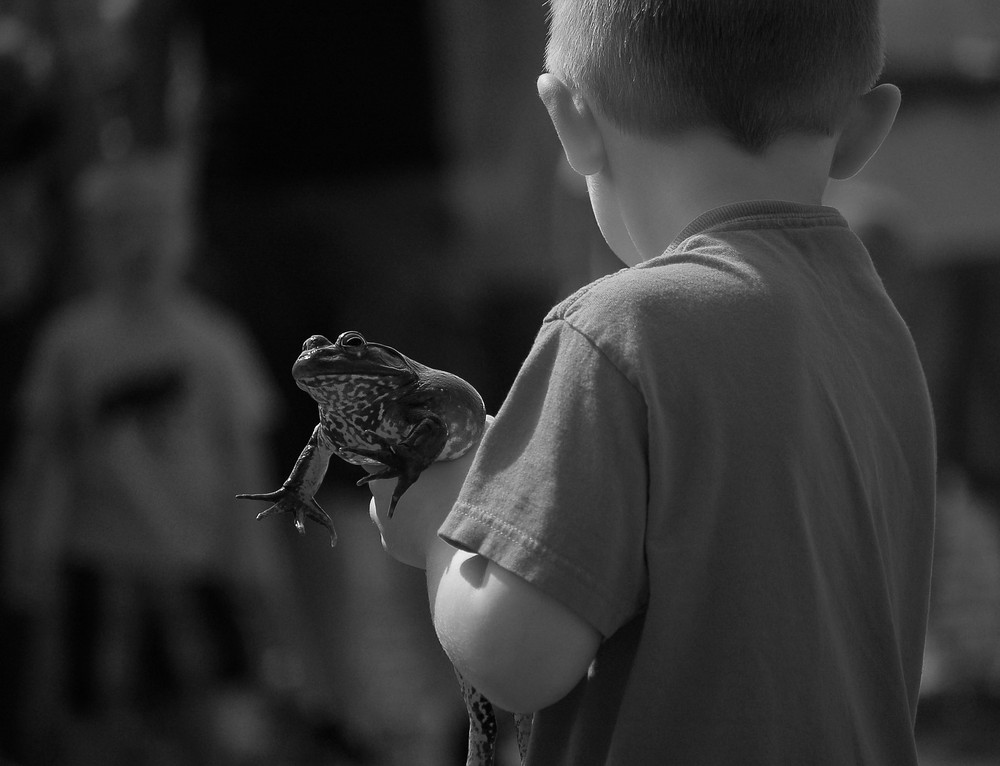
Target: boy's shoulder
x: 605, y: 303
x: 733, y: 269
x: 691, y: 274
x: 735, y: 250
x: 652, y: 305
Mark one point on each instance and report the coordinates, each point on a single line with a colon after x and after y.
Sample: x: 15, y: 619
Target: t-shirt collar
x: 756, y: 214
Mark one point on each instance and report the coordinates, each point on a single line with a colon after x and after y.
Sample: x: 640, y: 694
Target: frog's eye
x: 351, y: 339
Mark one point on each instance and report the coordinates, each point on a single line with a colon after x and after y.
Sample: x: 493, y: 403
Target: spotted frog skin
x: 376, y: 407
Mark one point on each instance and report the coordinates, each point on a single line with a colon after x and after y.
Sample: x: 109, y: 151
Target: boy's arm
x: 519, y: 646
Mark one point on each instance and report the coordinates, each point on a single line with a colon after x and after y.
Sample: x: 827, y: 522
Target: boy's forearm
x: 455, y: 580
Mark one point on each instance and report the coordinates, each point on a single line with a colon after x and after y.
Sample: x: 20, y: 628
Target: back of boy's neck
x: 675, y: 181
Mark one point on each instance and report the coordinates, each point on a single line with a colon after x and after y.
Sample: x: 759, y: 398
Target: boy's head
x: 754, y: 71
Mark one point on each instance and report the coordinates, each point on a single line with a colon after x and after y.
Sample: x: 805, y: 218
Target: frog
x: 378, y: 408
x: 395, y: 416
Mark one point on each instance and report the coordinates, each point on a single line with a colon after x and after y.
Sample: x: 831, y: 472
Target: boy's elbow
x: 519, y: 647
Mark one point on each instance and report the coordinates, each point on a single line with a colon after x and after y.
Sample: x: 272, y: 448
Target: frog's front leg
x: 406, y: 460
x: 297, y: 494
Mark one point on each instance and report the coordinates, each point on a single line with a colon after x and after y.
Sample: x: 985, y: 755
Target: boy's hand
x: 412, y: 530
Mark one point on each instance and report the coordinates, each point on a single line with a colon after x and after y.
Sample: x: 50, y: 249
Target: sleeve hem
x: 556, y: 575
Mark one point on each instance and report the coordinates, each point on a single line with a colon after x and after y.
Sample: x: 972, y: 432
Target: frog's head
x: 323, y: 366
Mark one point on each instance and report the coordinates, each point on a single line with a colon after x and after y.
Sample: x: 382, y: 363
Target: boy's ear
x: 575, y: 125
x: 866, y: 127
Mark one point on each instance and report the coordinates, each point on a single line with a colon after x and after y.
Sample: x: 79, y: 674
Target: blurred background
x: 190, y: 189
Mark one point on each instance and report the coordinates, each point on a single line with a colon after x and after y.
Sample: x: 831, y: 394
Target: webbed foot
x: 300, y: 506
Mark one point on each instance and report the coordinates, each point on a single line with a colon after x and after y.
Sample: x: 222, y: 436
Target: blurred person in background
x: 144, y: 410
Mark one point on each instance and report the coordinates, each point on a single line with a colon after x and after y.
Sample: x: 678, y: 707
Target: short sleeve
x: 558, y: 491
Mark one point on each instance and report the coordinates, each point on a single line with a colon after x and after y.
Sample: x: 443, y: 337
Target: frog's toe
x: 300, y: 507
x: 403, y: 483
x: 317, y: 514
x: 279, y: 498
x: 277, y: 494
x: 268, y: 511
x: 281, y: 508
x: 385, y: 472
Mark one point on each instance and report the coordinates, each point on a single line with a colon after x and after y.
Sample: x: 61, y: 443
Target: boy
x: 699, y: 530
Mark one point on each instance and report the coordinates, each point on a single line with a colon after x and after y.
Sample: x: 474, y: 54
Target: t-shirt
x: 723, y: 459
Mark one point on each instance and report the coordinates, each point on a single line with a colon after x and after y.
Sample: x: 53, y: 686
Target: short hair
x: 754, y: 69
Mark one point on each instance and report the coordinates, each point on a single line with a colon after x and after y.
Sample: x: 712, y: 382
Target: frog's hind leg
x: 522, y: 732
x: 482, y: 725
